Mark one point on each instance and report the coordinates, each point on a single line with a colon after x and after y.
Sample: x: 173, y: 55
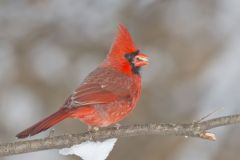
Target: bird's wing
x: 103, y: 85
x: 89, y: 94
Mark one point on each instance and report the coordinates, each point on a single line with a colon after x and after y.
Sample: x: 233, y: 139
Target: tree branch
x: 195, y: 129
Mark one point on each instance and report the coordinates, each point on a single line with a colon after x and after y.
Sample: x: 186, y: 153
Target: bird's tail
x: 45, y: 123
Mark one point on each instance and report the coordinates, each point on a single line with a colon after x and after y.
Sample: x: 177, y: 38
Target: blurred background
x: 47, y: 47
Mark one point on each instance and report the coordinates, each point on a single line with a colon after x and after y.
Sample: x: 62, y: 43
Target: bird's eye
x: 129, y: 57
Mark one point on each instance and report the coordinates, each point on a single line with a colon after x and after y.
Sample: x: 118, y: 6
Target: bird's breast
x: 127, y: 91
x: 103, y: 115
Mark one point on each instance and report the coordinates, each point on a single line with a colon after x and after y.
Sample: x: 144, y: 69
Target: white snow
x: 91, y: 150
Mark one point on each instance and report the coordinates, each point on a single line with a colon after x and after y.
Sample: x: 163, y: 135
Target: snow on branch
x: 194, y: 129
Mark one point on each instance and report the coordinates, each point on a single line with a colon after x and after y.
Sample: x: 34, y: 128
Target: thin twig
x: 195, y: 129
x: 209, y: 114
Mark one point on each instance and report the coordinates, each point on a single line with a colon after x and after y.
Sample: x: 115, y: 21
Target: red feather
x: 122, y: 44
x: 45, y: 123
x: 106, y: 96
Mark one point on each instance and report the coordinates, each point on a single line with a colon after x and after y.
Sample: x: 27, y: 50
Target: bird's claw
x: 51, y: 133
x: 91, y: 130
x: 117, y: 126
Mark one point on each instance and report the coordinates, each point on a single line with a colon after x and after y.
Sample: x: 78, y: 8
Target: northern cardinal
x: 108, y: 93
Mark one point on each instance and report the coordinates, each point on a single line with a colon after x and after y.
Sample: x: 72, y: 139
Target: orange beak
x: 141, y: 60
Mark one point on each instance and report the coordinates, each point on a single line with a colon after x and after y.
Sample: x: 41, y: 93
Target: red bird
x: 108, y: 94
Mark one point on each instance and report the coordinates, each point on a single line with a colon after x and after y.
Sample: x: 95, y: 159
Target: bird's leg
x: 51, y: 133
x: 96, y: 128
x: 92, y: 129
x: 89, y: 128
x: 117, y: 126
x: 90, y: 132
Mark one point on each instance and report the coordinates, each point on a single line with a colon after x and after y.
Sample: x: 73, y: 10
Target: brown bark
x: 194, y: 129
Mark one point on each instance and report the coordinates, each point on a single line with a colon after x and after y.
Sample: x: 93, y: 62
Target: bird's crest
x: 122, y: 49
x: 123, y: 42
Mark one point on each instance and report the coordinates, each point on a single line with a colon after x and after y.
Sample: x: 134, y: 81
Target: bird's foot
x: 96, y: 128
x: 117, y: 126
x: 91, y: 130
x: 51, y: 133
